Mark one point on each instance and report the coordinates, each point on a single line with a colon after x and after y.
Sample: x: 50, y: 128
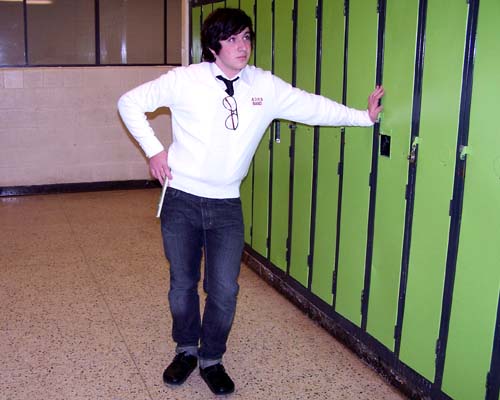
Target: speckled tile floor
x: 83, y: 288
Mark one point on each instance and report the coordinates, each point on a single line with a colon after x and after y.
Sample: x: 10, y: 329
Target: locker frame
x: 271, y: 134
x: 315, y: 159
x: 340, y: 169
x: 381, y: 10
x: 292, y: 127
x: 273, y: 127
x: 458, y: 191
x: 412, y: 170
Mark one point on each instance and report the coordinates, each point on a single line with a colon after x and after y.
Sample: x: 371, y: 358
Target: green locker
x: 220, y: 4
x: 361, y: 68
x: 327, y: 191
x: 303, y: 148
x: 399, y: 61
x: 246, y: 188
x: 441, y: 90
x: 261, y: 164
x: 249, y: 6
x: 207, y: 9
x: 283, y: 54
x: 246, y: 203
x: 195, y: 35
x: 233, y: 3
x: 477, y: 277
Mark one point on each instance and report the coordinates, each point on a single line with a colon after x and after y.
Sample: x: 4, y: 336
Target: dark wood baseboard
x: 77, y: 187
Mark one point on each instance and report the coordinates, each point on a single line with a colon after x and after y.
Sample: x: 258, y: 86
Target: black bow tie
x: 229, y: 84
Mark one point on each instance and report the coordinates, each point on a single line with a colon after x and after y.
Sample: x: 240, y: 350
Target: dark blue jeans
x: 189, y: 225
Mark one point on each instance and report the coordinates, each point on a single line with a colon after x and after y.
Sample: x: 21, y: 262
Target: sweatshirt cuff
x: 369, y: 121
x: 151, y: 146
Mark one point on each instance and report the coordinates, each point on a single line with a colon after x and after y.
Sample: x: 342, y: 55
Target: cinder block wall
x: 61, y: 125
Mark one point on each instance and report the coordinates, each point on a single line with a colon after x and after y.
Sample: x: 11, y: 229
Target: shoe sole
x: 213, y: 391
x: 175, y: 384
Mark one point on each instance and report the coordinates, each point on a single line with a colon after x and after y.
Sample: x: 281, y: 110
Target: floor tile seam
x: 103, y: 296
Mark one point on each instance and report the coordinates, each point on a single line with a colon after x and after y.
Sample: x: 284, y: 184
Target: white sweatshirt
x: 206, y: 158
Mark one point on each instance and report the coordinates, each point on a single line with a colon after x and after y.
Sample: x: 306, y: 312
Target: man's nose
x: 241, y: 44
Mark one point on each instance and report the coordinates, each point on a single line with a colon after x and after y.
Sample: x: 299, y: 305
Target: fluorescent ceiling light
x: 30, y: 2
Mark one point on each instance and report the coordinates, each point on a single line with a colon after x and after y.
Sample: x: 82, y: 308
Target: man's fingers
x: 167, y: 173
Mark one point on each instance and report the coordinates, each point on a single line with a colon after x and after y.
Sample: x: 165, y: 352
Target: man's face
x: 234, y: 53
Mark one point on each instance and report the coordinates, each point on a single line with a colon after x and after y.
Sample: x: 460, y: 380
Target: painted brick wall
x: 61, y: 125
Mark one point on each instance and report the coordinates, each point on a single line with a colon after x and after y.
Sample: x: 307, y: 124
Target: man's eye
x: 231, y: 39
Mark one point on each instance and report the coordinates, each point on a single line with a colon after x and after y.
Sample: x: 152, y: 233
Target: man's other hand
x: 158, y: 166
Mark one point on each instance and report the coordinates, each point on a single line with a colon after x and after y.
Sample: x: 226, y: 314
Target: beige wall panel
x: 61, y: 125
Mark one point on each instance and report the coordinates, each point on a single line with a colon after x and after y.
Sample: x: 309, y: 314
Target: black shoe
x: 179, y: 369
x: 217, y: 379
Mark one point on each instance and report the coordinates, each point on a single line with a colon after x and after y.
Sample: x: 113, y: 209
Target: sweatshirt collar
x: 241, y: 83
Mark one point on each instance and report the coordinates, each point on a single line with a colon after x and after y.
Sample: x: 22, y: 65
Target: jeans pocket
x: 172, y: 193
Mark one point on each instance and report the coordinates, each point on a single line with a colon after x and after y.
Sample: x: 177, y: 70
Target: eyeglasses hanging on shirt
x: 229, y: 103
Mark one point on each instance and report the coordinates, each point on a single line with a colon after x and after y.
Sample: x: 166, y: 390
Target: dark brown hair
x: 220, y: 25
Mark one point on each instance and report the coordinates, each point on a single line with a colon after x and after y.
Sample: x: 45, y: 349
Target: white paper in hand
x: 160, y: 204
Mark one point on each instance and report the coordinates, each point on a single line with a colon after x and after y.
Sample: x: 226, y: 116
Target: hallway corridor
x: 83, y: 289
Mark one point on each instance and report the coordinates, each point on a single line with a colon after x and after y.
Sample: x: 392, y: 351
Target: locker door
x: 195, y: 34
x: 248, y: 7
x: 219, y: 4
x: 206, y: 10
x: 395, y: 128
x: 247, y: 184
x: 327, y: 192
x: 283, y: 41
x: 477, y: 278
x: 261, y: 160
x: 444, y: 52
x: 361, y: 68
x: 303, y: 145
x: 233, y: 3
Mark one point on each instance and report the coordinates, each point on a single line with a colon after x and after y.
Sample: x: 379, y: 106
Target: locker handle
x: 412, y: 156
x: 277, y: 134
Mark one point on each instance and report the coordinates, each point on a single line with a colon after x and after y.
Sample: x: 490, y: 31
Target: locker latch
x: 412, y: 156
x: 464, y: 150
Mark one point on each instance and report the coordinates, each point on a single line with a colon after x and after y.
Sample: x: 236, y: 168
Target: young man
x: 220, y: 110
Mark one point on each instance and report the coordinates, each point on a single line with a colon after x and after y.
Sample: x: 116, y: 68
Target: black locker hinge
x: 309, y: 260
x: 438, y: 346
x: 340, y: 168
x: 407, y: 192
x: 255, y: 8
x: 294, y: 15
x: 363, y: 296
x: 396, y: 335
x: 290, y: 151
x: 287, y: 256
x: 370, y: 179
x: 317, y: 12
x: 345, y: 7
x: 334, y: 284
x: 451, y: 207
x: 488, y: 385
x: 272, y: 7
x: 268, y: 243
x: 270, y: 143
x: 251, y: 231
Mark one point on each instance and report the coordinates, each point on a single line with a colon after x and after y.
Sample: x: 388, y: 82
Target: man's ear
x: 213, y: 52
